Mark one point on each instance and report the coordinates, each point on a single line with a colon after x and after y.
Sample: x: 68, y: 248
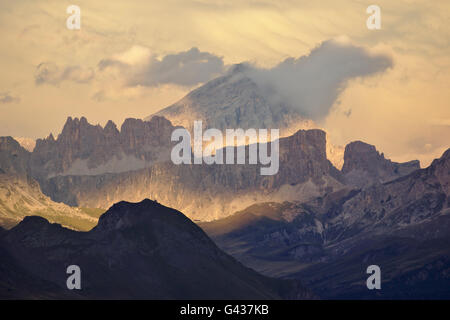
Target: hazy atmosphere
x: 131, y: 59
x: 211, y: 151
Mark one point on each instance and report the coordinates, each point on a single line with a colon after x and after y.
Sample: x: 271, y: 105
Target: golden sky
x: 49, y: 72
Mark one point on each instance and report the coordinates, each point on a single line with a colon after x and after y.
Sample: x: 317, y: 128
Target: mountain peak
x: 51, y: 137
x: 33, y: 222
x: 361, y: 148
x: 9, y: 143
x: 110, y: 128
x: 233, y: 100
x: 127, y: 214
x: 13, y: 157
x: 446, y: 154
x: 364, y: 165
x: 238, y: 68
x: 441, y: 169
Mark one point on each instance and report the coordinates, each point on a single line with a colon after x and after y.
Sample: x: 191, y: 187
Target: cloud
x: 312, y: 83
x: 132, y: 60
x: 50, y: 73
x: 136, y: 55
x: 186, y: 68
x: 6, y: 97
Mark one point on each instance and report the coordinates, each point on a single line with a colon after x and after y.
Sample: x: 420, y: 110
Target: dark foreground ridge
x: 137, y: 251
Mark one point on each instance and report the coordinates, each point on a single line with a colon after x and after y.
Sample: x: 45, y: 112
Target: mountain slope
x: 402, y: 225
x: 20, y: 195
x: 233, y: 101
x: 137, y: 251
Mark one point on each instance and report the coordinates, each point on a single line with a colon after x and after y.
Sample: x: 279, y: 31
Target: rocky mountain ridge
x: 137, y: 251
x: 401, y: 225
x: 94, y: 167
x: 208, y: 192
x: 85, y: 149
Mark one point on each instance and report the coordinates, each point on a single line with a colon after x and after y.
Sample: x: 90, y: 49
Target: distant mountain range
x: 236, y: 100
x: 94, y: 167
x: 137, y: 251
x: 85, y: 149
x: 311, y: 221
x: 204, y: 191
x: 402, y: 225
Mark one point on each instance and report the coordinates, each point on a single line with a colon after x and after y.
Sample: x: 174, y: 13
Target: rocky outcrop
x: 137, y: 251
x: 411, y: 199
x: 364, y: 165
x: 404, y: 222
x: 85, y: 149
x: 206, y: 192
x: 94, y: 167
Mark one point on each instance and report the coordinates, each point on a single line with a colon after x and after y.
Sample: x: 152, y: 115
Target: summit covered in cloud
x: 294, y: 94
x: 312, y: 83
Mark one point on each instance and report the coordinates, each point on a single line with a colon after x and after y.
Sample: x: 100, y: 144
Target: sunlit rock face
x: 85, y: 149
x: 207, y: 192
x: 364, y: 165
x: 93, y: 166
